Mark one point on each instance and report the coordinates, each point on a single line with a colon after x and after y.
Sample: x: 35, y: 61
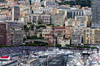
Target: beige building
x: 70, y: 23
x: 65, y: 41
x: 61, y: 11
x: 48, y: 30
x: 57, y: 19
x: 69, y: 31
x: 82, y: 21
x: 62, y: 41
x: 59, y: 40
x: 91, y: 36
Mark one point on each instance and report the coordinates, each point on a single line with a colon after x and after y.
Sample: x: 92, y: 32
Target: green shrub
x: 58, y: 45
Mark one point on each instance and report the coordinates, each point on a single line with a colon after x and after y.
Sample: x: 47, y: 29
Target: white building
x: 76, y: 39
x: 35, y: 1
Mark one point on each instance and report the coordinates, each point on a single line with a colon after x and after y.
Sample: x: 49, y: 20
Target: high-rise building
x: 15, y: 13
x: 15, y: 33
x: 3, y: 34
x: 95, y: 13
x: 11, y: 33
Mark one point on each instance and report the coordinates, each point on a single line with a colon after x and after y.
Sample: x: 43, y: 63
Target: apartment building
x: 44, y: 18
x: 91, y: 36
x: 95, y: 4
x: 3, y: 34
x: 69, y: 31
x: 15, y: 13
x: 57, y: 19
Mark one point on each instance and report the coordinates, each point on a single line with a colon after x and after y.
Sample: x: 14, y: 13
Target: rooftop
x: 59, y: 27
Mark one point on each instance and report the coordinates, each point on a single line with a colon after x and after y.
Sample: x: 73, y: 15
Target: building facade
x: 95, y: 4
x: 35, y: 1
x: 15, y: 13
x: 91, y: 36
x: 48, y: 30
x: 18, y: 37
x: 57, y: 19
x: 76, y: 39
x: 46, y: 18
x: 43, y: 18
x: 59, y: 31
x: 15, y: 33
x: 70, y: 23
x: 88, y: 36
x: 3, y: 34
x: 72, y: 13
x: 69, y: 31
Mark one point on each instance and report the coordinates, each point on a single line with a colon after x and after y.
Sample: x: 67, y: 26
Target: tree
x: 41, y: 35
x: 26, y: 29
x: 43, y: 12
x: 41, y: 0
x: 39, y: 26
x: 34, y: 37
x: 68, y: 45
x: 83, y: 3
x: 32, y: 27
x: 15, y: 0
x: 42, y: 5
x: 28, y: 37
x: 70, y: 41
x: 62, y: 0
x: 48, y: 24
x: 52, y: 25
x: 58, y: 45
x: 25, y: 38
x: 40, y: 21
x: 29, y: 23
x: 44, y: 44
x: 33, y: 21
x: 63, y: 36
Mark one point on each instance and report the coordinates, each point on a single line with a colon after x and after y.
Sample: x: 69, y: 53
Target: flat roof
x: 5, y: 63
x: 31, y: 60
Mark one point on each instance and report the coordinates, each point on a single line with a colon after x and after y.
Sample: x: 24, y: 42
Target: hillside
x: 2, y: 0
x: 83, y: 3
